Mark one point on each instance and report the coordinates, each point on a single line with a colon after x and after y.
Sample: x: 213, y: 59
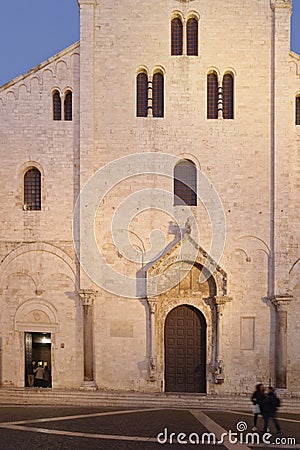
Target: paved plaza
x: 76, y: 428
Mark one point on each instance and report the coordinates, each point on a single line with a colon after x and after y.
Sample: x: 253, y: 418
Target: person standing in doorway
x: 30, y: 373
x: 47, y: 377
x: 39, y: 376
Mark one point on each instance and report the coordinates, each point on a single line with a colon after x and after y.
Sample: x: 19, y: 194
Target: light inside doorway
x: 38, y: 349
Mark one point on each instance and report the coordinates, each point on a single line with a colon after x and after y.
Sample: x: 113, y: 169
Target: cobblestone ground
x: 60, y: 428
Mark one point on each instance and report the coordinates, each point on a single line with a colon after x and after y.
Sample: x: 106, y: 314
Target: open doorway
x: 38, y: 349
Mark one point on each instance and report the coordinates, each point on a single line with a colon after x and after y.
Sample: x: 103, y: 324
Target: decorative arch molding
x: 61, y: 62
x: 191, y: 157
x: 176, y: 14
x: 294, y: 67
x: 67, y: 89
x: 30, y: 165
x: 230, y: 71
x: 203, y: 259
x: 55, y: 89
x: 295, y: 274
x: 142, y: 69
x: 35, y: 247
x: 159, y: 69
x: 192, y: 14
x: 36, y: 316
x: 213, y: 69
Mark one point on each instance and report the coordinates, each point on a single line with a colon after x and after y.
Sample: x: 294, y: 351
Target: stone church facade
x: 175, y: 115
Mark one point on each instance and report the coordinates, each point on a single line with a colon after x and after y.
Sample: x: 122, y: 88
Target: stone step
x: 23, y: 396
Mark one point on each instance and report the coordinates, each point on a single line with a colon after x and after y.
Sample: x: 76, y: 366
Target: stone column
x: 220, y: 97
x: 220, y: 302
x: 152, y: 350
x: 87, y: 296
x: 281, y: 303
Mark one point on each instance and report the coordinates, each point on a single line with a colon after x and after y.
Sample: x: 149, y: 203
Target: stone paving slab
x: 78, y: 428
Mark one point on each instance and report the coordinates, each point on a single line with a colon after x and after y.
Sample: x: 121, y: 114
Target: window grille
x: 68, y: 106
x: 56, y: 106
x: 32, y: 190
x: 176, y: 37
x: 158, y: 95
x: 228, y: 96
x: 185, y: 183
x: 212, y: 96
x: 192, y: 37
x: 142, y: 95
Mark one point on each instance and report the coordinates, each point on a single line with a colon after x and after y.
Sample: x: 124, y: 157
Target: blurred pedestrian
x: 257, y: 400
x: 270, y: 405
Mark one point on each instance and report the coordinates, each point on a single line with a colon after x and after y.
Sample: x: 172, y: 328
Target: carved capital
x: 87, y: 2
x: 221, y: 301
x: 87, y: 296
x: 152, y: 302
x: 282, y: 4
x: 281, y: 302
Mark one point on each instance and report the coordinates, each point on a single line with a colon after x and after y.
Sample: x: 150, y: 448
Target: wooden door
x: 185, y: 350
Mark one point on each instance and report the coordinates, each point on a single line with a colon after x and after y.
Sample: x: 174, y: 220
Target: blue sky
x: 33, y: 30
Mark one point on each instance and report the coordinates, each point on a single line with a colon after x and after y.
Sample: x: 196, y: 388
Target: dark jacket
x: 258, y: 398
x: 30, y: 368
x: 271, y: 402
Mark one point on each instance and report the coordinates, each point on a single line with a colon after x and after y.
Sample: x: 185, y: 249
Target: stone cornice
x: 87, y: 2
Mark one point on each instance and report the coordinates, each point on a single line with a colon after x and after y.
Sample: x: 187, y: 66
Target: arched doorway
x: 185, y: 350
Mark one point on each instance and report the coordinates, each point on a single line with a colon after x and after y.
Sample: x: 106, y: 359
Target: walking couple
x: 265, y: 403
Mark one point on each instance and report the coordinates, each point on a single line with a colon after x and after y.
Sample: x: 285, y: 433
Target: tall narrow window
x: 176, y: 37
x: 185, y: 183
x: 32, y: 189
x: 192, y: 37
x: 298, y: 110
x: 142, y: 95
x: 56, y: 106
x: 158, y: 95
x: 228, y: 96
x: 212, y: 96
x: 68, y: 105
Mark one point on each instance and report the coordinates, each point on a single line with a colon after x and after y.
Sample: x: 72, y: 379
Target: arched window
x: 192, y: 37
x: 68, y: 105
x: 158, y: 95
x: 176, y: 37
x: 228, y: 96
x: 142, y: 95
x: 185, y: 183
x: 32, y: 189
x: 298, y: 110
x: 56, y: 106
x: 212, y: 96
